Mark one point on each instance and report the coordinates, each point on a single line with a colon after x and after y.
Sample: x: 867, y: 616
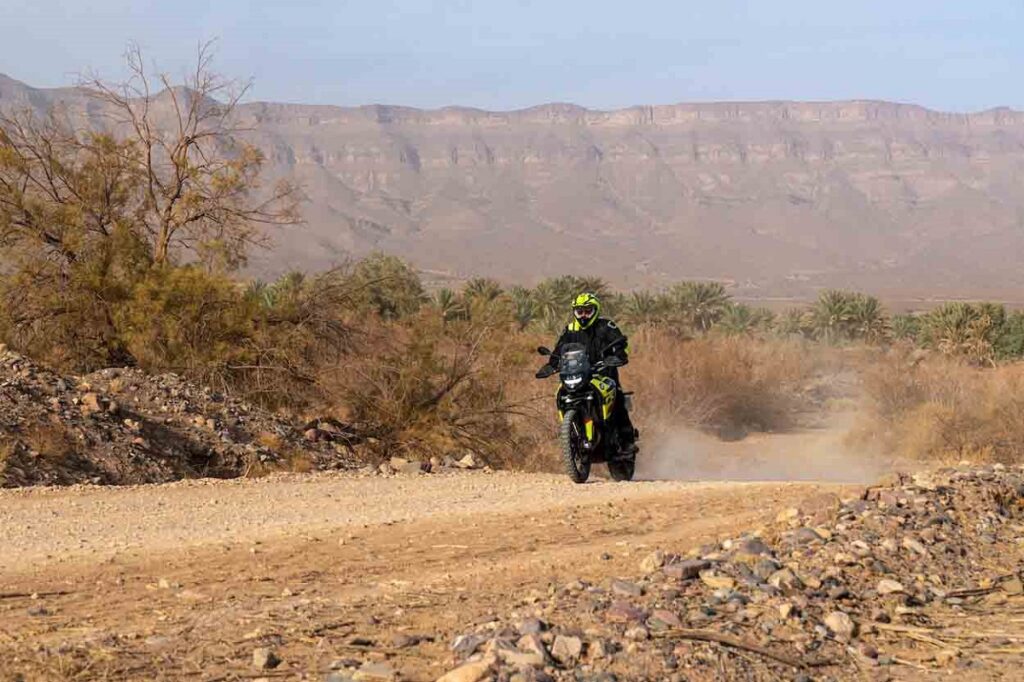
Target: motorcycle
x: 585, y: 402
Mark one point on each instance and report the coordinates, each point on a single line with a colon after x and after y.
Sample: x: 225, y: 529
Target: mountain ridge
x: 776, y: 198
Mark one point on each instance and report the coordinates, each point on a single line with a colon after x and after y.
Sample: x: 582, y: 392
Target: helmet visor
x: 584, y: 312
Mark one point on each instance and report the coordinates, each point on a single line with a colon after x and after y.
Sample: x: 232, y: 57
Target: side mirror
x: 614, y: 361
x: 543, y: 351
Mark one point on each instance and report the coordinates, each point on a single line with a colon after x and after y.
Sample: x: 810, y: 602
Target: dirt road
x: 161, y: 582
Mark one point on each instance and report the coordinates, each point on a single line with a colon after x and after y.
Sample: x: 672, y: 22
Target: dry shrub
x: 942, y: 409
x: 428, y: 387
x: 730, y: 385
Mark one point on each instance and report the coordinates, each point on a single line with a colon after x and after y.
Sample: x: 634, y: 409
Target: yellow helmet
x: 585, y: 310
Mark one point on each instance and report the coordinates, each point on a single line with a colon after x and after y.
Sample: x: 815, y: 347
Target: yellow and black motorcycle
x: 585, y: 403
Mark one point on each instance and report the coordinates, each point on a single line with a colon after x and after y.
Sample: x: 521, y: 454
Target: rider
x: 602, y: 339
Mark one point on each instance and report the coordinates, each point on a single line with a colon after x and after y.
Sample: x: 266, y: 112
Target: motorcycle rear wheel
x: 622, y: 469
x: 575, y: 461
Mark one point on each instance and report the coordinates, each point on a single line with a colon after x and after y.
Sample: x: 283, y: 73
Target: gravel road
x: 71, y: 524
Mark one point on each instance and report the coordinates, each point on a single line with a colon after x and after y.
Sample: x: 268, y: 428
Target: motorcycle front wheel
x: 574, y: 459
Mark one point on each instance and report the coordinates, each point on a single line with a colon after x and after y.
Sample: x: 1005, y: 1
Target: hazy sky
x: 500, y: 54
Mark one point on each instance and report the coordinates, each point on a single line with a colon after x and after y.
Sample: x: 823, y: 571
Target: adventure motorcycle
x: 585, y: 403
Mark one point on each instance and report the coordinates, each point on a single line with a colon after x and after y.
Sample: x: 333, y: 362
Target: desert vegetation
x: 124, y: 244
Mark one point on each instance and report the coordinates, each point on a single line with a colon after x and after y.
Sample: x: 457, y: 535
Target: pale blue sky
x: 503, y: 54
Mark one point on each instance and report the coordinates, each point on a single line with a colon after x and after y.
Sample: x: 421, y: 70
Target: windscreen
x: 575, y: 360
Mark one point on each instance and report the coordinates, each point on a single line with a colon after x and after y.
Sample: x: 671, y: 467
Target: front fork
x: 590, y: 432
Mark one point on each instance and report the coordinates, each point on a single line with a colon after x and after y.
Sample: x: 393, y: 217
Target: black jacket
x: 602, y: 339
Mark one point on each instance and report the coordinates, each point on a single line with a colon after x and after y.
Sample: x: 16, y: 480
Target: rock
x: 661, y: 619
x: 531, y: 626
x: 522, y: 659
x: 844, y: 559
x: 637, y: 633
x: 469, y: 461
x: 752, y: 548
x: 653, y: 561
x: 265, y: 658
x: 764, y: 568
x: 624, y: 588
x: 914, y: 546
x: 785, y: 579
x: 598, y: 649
x: 841, y: 625
x: 717, y: 581
x: 532, y: 644
x: 1013, y: 586
x: 91, y: 404
x: 403, y: 641
x: 338, y: 677
x: 374, y: 672
x: 787, y: 611
x: 567, y: 650
x: 945, y: 657
x: 805, y: 536
x: 466, y: 645
x: 867, y: 651
x: 624, y: 612
x: 686, y: 570
x: 860, y: 548
x: 787, y: 515
x: 889, y: 586
x: 470, y: 672
x: 413, y: 467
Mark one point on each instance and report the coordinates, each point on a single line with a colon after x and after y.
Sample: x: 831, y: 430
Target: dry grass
x: 939, y: 409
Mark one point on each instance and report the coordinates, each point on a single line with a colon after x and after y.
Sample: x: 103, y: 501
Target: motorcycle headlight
x: 573, y: 380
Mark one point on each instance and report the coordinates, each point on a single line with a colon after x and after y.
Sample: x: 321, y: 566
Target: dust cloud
x: 806, y: 455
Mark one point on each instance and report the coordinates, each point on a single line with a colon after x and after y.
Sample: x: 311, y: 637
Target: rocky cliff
x: 778, y: 198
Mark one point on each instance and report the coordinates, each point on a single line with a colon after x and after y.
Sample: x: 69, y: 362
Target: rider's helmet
x: 585, y: 309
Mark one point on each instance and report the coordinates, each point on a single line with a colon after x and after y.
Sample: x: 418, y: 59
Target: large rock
x: 475, y: 671
x: 841, y: 626
x: 624, y: 612
x: 567, y: 650
x: 717, y: 581
x: 374, y: 672
x: 653, y: 561
x: 889, y: 586
x: 686, y: 570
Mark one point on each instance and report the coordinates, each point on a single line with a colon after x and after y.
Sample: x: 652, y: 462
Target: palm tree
x: 593, y: 285
x: 448, y: 304
x: 525, y: 307
x: 795, y: 321
x: 906, y: 327
x: 832, y: 314
x: 481, y: 289
x: 739, y: 319
x: 962, y: 329
x: 700, y: 303
x: 261, y: 292
x: 642, y: 308
x: 868, y: 320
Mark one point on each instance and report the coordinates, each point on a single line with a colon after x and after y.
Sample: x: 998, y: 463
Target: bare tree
x: 200, y: 178
x: 89, y: 212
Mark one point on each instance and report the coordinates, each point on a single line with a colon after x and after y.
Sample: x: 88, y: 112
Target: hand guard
x: 545, y: 371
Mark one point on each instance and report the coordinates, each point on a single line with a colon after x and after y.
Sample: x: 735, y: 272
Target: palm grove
x: 123, y: 233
